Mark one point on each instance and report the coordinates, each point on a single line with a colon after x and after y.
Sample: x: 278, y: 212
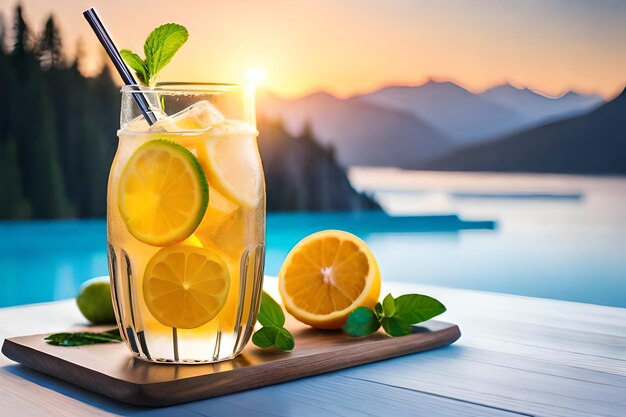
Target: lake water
x: 561, y: 237
x: 545, y: 236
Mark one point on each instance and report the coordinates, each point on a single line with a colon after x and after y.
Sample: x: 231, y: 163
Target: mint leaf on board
x: 265, y: 337
x: 416, y: 308
x: 361, y: 322
x: 136, y: 63
x: 395, y: 327
x: 396, y: 316
x: 159, y: 49
x: 278, y: 337
x: 270, y: 314
x: 161, y: 45
x: 378, y: 309
x: 83, y: 338
x: 389, y: 306
x: 272, y: 318
x: 284, y: 340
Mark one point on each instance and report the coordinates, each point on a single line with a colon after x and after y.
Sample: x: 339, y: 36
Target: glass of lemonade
x: 186, y: 222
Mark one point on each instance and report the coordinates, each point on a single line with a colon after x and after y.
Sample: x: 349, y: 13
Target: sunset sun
x: 256, y: 76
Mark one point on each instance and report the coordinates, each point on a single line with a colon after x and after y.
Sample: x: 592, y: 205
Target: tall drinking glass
x: 186, y: 223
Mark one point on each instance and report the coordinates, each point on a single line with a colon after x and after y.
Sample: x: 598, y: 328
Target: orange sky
x: 353, y: 46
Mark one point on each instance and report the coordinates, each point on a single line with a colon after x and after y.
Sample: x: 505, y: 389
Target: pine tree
x: 13, y: 205
x: 7, y: 95
x: 34, y: 130
x: 21, y: 44
x: 94, y: 168
x: 23, y: 58
x: 64, y: 91
x: 103, y: 103
x: 3, y: 33
x: 49, y: 49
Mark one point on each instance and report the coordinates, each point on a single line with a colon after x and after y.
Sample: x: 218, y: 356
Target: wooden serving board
x: 110, y: 369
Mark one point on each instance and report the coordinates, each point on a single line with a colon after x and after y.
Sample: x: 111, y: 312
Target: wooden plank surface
x: 517, y: 355
x: 110, y: 369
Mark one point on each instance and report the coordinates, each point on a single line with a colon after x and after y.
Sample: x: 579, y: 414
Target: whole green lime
x: 94, y: 301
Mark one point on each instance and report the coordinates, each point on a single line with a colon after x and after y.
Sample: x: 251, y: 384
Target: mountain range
x: 360, y: 133
x: 591, y: 143
x: 404, y: 125
x: 468, y: 118
x: 462, y: 116
x: 536, y: 108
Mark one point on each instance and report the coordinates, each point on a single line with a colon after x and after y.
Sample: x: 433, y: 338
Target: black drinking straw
x: 111, y: 50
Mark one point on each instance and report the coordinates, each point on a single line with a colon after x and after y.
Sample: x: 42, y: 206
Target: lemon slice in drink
x: 231, y: 161
x: 163, y: 193
x: 185, y: 286
x: 326, y: 276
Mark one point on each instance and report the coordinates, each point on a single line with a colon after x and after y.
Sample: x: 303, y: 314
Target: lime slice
x: 163, y: 193
x: 185, y: 286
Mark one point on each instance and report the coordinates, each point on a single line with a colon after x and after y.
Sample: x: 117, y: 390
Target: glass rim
x: 188, y: 87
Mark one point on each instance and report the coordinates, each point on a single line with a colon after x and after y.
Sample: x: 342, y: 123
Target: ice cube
x: 206, y: 113
x: 232, y: 127
x: 199, y: 116
x: 140, y: 124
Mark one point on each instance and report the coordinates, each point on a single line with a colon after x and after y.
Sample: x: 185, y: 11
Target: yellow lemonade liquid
x: 230, y: 238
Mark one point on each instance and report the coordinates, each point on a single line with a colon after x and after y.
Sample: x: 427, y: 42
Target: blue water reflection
x: 562, y: 248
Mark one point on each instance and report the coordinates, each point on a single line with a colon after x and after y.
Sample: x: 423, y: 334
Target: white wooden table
x: 517, y: 356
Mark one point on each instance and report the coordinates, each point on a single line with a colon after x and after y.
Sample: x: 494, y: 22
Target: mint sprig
x: 83, y: 338
x: 273, y: 332
x: 361, y: 322
x: 395, y: 315
x: 159, y: 48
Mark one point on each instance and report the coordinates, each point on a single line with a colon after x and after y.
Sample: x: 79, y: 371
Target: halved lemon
x: 185, y: 286
x: 231, y: 161
x: 163, y: 193
x: 326, y: 276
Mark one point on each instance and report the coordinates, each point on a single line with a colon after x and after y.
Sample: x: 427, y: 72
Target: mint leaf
x: 83, y: 338
x: 265, y: 337
x: 395, y: 315
x: 284, y: 340
x: 279, y: 337
x: 270, y: 313
x: 361, y: 322
x: 135, y: 62
x: 389, y: 306
x: 272, y: 333
x: 416, y: 308
x: 396, y: 327
x: 159, y: 48
x: 161, y: 45
x: 114, y: 333
x: 378, y: 309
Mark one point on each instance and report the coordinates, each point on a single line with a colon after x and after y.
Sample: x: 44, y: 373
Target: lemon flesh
x: 163, y: 193
x: 185, y: 286
x: 326, y: 276
x: 231, y: 161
